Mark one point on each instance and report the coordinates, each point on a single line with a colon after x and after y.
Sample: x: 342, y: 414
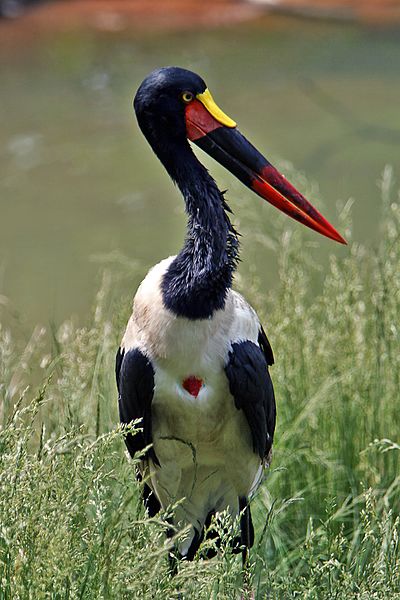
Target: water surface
x: 78, y: 181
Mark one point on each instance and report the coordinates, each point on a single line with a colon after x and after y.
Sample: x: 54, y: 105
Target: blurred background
x: 314, y: 84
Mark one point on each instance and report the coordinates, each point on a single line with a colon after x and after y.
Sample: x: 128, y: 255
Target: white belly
x: 204, y: 447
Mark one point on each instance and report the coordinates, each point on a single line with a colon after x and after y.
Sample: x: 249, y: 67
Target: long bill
x: 215, y: 133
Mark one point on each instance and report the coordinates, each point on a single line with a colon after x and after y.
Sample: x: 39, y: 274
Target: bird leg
x: 172, y: 558
x: 246, y: 543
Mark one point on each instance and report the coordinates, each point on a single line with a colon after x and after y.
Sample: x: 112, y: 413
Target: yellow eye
x: 187, y: 97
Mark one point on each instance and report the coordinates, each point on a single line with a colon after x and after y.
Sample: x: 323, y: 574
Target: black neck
x: 196, y: 282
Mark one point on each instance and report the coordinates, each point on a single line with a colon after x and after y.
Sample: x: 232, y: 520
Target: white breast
x: 204, y: 443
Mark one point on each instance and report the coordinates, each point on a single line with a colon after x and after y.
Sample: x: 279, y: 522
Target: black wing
x: 265, y: 346
x: 135, y: 382
x: 251, y: 386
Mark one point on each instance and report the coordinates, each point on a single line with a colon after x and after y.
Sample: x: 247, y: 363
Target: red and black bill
x: 232, y: 150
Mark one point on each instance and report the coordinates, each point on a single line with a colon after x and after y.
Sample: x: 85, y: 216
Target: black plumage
x: 135, y: 382
x: 251, y: 386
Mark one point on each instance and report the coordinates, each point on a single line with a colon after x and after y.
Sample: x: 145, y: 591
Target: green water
x: 78, y: 181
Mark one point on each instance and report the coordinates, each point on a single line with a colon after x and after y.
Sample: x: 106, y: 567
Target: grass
x: 327, y: 516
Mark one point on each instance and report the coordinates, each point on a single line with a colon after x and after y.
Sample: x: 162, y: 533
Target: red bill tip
x: 275, y: 188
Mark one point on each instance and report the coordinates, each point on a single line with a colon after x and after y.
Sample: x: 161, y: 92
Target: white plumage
x: 203, y: 443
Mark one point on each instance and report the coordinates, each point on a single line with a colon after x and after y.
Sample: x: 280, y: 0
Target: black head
x: 161, y: 100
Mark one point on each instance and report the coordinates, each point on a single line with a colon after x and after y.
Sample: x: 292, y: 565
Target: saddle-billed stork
x: 193, y: 362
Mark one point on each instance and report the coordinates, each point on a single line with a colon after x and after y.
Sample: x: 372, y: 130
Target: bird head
x: 174, y: 105
x: 161, y: 101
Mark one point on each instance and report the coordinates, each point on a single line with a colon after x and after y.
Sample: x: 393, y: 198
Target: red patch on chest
x: 192, y: 385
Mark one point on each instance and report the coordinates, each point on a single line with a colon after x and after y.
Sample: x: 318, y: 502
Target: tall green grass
x: 327, y: 515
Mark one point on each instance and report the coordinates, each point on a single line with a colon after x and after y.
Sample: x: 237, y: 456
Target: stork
x: 193, y: 362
